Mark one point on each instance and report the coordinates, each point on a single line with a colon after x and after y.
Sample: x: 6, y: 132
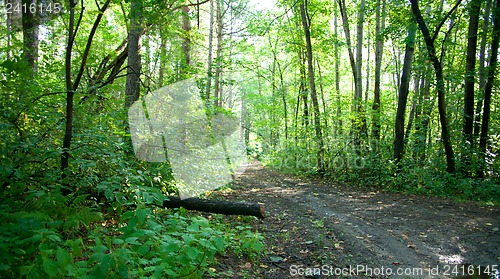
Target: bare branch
x: 190, y: 5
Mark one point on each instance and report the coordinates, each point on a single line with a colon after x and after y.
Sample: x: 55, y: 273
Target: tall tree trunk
x: 482, y: 67
x: 322, y: 93
x: 379, y: 49
x: 218, y: 67
x: 338, y: 129
x: 210, y: 50
x: 186, y: 42
x: 403, y: 94
x: 424, y: 116
x: 68, y: 134
x: 470, y: 69
x: 431, y: 50
x: 303, y: 88
x: 312, y: 85
x: 133, y: 83
x: 72, y: 86
x: 359, y: 52
x: 30, y: 22
x: 413, y: 111
x: 9, y: 31
x: 282, y: 87
x: 483, y: 140
x: 356, y: 72
x: 361, y: 127
x: 347, y: 32
x: 163, y: 60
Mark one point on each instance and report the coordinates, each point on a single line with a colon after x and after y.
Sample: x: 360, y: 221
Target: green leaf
x: 118, y: 241
x: 63, y: 257
x: 50, y: 267
x: 141, y: 214
x: 132, y: 240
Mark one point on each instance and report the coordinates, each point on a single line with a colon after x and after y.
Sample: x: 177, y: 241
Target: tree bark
x: 431, y: 51
x: 359, y: 52
x: 217, y: 206
x: 482, y: 67
x: 312, y: 86
x: 338, y: 129
x: 483, y: 140
x: 303, y: 88
x: 379, y: 49
x: 218, y: 60
x: 163, y: 60
x: 72, y: 86
x: 30, y: 22
x: 403, y: 94
x: 133, y: 85
x: 186, y: 42
x: 357, y: 107
x: 470, y: 69
x: 210, y: 50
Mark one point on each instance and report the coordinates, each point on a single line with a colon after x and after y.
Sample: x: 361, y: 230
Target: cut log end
x: 217, y: 206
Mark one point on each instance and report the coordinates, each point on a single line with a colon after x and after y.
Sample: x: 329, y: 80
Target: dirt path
x: 328, y: 229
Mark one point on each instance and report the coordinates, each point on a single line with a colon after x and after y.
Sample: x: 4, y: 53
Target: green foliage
x: 110, y: 225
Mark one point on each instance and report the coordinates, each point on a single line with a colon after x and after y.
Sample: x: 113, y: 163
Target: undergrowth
x: 50, y: 235
x: 371, y: 171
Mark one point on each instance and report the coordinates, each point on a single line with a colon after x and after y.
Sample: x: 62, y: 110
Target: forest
x: 393, y: 96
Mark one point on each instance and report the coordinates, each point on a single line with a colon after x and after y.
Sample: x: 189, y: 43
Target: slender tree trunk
x: 9, y: 31
x: 186, y: 42
x: 470, y: 69
x: 282, y: 87
x: 358, y: 128
x: 322, y: 93
x: 368, y: 70
x: 429, y: 41
x: 163, y: 60
x: 72, y: 86
x: 379, y: 48
x: 483, y: 140
x: 413, y: 111
x: 403, y: 94
x: 210, y: 50
x: 218, y: 67
x: 345, y: 24
x: 424, y: 117
x: 338, y: 129
x: 303, y: 88
x: 312, y: 86
x: 359, y: 52
x: 68, y: 134
x: 283, y: 98
x: 482, y: 67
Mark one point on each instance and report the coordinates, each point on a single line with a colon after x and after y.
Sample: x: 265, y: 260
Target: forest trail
x: 335, y: 228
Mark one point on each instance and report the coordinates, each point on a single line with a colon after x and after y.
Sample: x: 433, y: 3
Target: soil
x: 319, y: 229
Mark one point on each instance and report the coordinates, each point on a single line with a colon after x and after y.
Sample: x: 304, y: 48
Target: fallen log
x: 217, y: 206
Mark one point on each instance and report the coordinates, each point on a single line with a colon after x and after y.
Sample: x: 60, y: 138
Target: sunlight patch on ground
x: 451, y: 259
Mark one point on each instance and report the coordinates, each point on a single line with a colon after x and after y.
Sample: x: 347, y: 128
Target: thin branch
x: 190, y: 5
x: 32, y: 102
x: 78, y: 23
x: 89, y: 44
x: 436, y: 33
